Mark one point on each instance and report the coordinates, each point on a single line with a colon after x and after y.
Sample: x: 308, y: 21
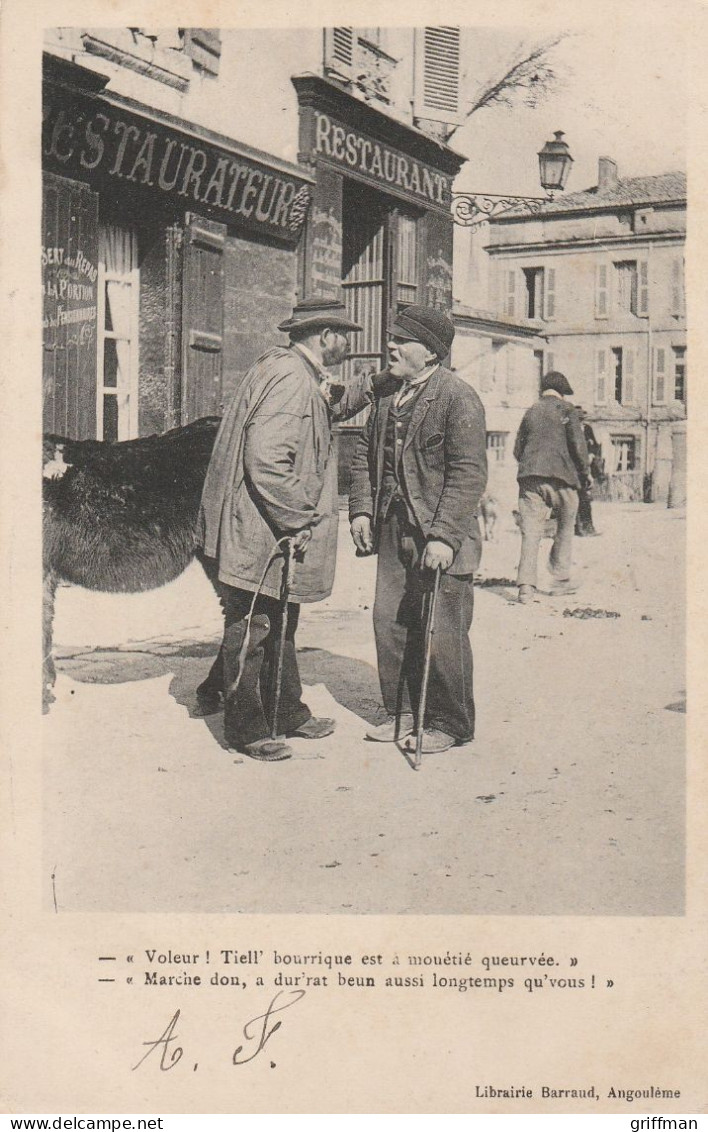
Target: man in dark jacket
x: 273, y: 476
x: 553, y: 463
x: 418, y: 474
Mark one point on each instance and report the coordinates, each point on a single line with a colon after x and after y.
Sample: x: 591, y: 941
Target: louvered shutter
x: 203, y: 45
x: 339, y: 51
x: 510, y: 295
x: 677, y: 287
x: 601, y: 377
x: 643, y: 296
x: 601, y: 291
x: 550, y: 362
x: 659, y: 375
x: 628, y: 375
x: 437, y: 74
x: 550, y: 292
x: 70, y: 225
x: 202, y: 317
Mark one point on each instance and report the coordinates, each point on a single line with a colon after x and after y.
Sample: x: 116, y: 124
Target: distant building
x: 502, y: 358
x: 602, y: 272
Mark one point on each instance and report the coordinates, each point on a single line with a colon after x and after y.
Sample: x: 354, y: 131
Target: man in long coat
x: 273, y: 476
x: 418, y: 474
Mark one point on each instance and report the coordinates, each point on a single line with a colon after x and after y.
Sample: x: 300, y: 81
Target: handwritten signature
x: 256, y: 1033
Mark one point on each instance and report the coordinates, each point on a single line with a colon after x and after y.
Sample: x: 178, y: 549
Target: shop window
x: 118, y: 290
x: 679, y: 353
x: 496, y: 447
x: 364, y: 254
x: 624, y: 453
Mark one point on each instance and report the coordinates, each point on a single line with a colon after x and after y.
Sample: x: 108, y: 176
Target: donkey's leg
x: 49, y: 674
x: 210, y: 693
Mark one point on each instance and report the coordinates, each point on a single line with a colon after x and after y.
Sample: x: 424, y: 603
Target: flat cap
x: 428, y: 325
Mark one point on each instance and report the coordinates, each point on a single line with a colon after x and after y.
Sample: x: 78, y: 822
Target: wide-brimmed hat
x: 428, y: 325
x: 557, y: 381
x: 311, y: 313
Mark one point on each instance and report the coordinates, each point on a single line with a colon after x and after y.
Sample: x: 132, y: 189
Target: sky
x: 623, y: 95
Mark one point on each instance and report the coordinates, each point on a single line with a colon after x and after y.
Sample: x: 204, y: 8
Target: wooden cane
x: 429, y: 631
x: 284, y: 599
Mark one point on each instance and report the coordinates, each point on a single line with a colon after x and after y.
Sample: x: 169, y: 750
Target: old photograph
x: 364, y: 355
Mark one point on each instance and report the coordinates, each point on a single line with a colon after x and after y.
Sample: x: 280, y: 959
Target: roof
x: 661, y: 188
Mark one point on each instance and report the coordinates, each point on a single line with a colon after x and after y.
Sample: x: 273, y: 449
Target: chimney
x: 607, y: 175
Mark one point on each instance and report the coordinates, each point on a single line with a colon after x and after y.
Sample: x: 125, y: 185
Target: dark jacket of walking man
x: 273, y: 475
x: 418, y: 474
x: 553, y: 463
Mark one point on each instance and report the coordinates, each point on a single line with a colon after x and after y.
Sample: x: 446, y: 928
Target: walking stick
x: 284, y: 598
x: 429, y: 631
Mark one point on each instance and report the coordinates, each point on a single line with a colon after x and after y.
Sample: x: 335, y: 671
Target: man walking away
x: 273, y: 476
x: 553, y: 463
x: 418, y: 474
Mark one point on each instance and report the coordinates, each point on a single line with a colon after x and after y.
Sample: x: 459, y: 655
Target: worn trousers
x: 248, y: 704
x: 539, y: 500
x: 399, y: 629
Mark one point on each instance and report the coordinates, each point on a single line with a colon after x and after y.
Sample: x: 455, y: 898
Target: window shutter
x: 510, y: 301
x: 510, y: 351
x: 437, y: 74
x: 202, y: 317
x: 339, y: 51
x: 203, y: 45
x: 69, y: 224
x: 628, y: 377
x: 550, y: 362
x: 601, y: 377
x: 643, y: 304
x: 659, y: 375
x: 601, y: 290
x: 677, y: 286
x: 550, y: 292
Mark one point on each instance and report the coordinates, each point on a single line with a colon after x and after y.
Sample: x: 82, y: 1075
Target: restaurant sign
x: 369, y: 160
x: 97, y: 140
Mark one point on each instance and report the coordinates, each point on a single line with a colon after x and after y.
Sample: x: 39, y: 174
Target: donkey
x: 120, y: 517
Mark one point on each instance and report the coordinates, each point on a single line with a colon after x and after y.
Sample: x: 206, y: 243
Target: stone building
x: 197, y: 181
x: 601, y: 272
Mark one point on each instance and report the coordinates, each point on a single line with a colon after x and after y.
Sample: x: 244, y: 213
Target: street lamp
x: 471, y: 210
x: 554, y: 162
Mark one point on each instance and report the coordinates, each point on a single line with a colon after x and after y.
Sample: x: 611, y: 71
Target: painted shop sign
x: 111, y: 143
x: 69, y: 293
x: 379, y: 164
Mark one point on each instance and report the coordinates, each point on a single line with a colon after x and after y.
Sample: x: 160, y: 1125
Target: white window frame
x: 127, y: 393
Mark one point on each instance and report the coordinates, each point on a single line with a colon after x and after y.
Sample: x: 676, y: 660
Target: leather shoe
x: 312, y: 728
x: 268, y: 750
x: 434, y: 741
x: 393, y: 729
